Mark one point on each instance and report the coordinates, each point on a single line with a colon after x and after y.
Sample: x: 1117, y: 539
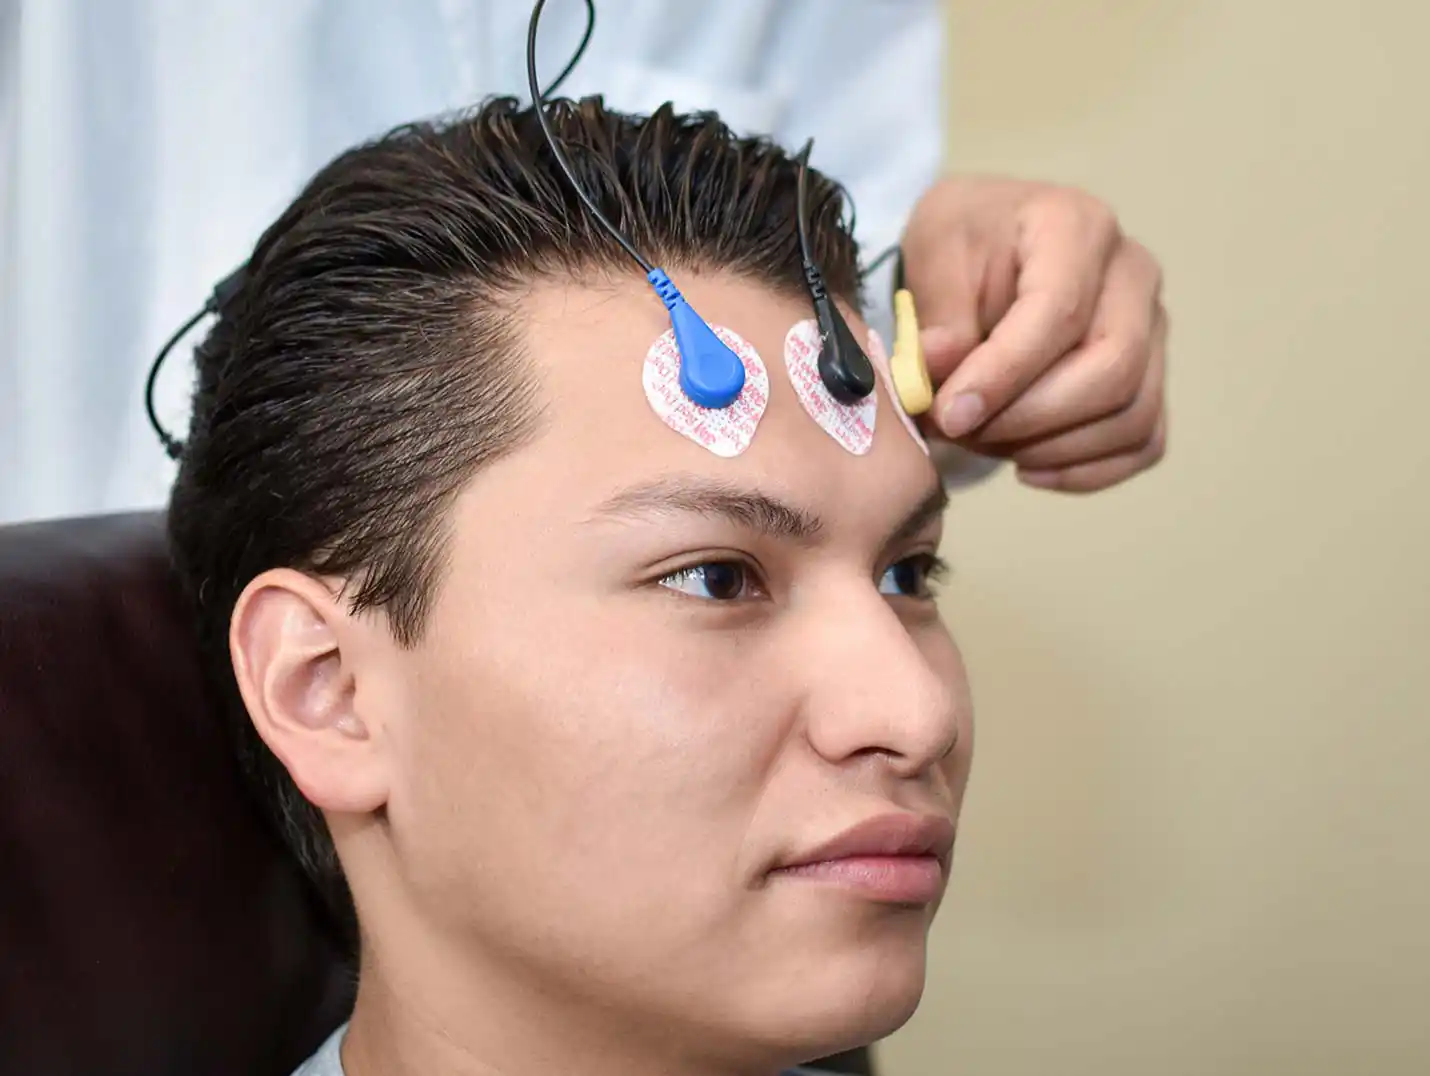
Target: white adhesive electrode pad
x: 880, y: 358
x: 852, y: 425
x: 725, y: 431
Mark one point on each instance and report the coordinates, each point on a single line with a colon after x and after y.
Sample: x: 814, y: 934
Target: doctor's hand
x: 1043, y: 328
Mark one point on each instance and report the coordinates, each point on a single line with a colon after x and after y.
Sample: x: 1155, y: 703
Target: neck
x: 439, y: 1012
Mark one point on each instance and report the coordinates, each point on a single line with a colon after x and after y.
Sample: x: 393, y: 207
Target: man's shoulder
x: 328, y: 1060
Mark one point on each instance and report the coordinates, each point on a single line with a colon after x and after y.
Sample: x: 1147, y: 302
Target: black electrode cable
x: 230, y: 285
x: 843, y: 367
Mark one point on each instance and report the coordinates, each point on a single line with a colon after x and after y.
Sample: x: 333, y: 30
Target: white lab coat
x: 145, y: 144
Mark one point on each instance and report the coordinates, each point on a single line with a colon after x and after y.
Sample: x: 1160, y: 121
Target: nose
x: 883, y: 687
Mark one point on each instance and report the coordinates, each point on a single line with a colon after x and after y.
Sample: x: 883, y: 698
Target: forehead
x: 588, y: 345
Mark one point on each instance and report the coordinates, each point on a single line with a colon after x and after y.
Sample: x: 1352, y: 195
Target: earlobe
x: 286, y: 640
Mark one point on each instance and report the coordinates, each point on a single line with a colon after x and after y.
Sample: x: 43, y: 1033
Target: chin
x: 858, y: 997
x: 866, y: 1011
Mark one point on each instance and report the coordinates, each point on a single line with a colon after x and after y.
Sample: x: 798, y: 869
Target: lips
x: 887, y: 835
x: 898, y: 858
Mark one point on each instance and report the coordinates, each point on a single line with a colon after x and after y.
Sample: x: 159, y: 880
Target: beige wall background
x: 1197, y: 835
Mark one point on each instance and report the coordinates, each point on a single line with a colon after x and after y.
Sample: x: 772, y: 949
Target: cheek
x: 629, y: 764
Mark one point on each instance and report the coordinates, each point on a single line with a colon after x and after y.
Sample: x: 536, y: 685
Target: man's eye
x: 720, y: 580
x: 912, y: 576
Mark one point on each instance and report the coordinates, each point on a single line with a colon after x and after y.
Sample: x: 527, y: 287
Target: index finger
x: 1063, y: 265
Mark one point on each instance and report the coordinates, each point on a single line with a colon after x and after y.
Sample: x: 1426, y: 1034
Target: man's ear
x: 286, y: 639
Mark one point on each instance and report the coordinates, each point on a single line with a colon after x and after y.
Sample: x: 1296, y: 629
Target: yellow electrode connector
x: 910, y: 372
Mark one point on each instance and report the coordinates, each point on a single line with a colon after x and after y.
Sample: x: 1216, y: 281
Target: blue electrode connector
x: 711, y: 374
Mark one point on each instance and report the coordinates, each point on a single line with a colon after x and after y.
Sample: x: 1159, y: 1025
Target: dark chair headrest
x: 150, y: 923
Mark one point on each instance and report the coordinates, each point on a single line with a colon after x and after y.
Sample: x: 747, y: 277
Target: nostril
x: 866, y: 752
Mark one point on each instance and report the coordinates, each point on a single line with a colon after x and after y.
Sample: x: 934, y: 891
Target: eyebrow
x: 930, y: 507
x: 750, y: 509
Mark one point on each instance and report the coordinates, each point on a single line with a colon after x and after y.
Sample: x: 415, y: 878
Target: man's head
x: 570, y: 694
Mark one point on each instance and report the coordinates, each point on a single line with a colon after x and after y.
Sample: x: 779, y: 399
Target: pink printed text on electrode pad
x: 879, y: 356
x: 851, y: 425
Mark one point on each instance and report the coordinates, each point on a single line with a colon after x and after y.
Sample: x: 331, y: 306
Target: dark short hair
x: 369, y: 363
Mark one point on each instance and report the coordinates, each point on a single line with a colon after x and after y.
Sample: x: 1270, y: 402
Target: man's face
x: 652, y: 677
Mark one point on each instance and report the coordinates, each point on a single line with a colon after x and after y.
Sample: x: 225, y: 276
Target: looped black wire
x: 883, y: 256
x: 538, y: 100
x: 173, y: 447
x: 555, y: 84
x: 805, y: 250
x: 232, y: 283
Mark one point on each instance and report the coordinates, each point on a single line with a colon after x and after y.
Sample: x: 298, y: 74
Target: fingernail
x: 1040, y: 479
x: 963, y: 413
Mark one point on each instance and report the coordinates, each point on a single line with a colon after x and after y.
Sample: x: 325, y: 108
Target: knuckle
x: 1125, y: 372
x: 1091, y: 212
x: 1145, y: 263
x: 1100, y: 217
x: 1057, y: 202
x: 1066, y: 314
